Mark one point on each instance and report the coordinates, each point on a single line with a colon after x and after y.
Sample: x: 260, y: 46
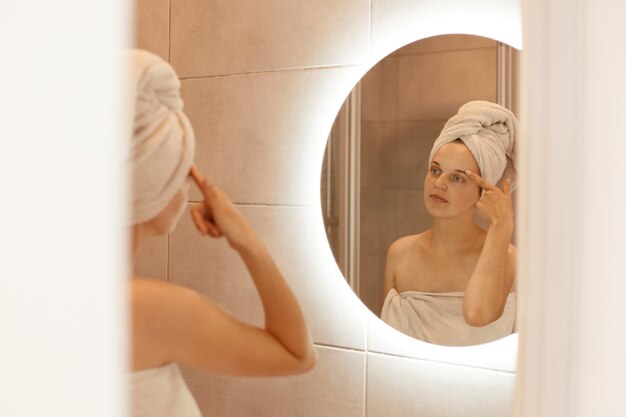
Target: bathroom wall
x: 262, y: 82
x: 406, y: 100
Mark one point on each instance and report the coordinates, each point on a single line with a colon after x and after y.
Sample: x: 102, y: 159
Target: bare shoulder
x: 404, y: 245
x: 396, y: 254
x: 157, y: 309
x: 152, y: 297
x: 403, y: 250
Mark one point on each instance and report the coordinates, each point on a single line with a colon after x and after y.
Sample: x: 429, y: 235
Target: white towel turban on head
x: 489, y: 131
x: 162, y: 143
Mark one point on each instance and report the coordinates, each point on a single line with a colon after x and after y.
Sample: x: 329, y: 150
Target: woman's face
x: 165, y: 222
x: 448, y: 192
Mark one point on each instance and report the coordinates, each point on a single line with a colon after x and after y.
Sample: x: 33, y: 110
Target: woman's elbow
x: 298, y: 364
x: 478, y: 317
x: 308, y: 362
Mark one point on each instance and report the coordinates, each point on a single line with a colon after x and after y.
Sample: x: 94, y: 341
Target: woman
x: 172, y: 324
x: 453, y: 284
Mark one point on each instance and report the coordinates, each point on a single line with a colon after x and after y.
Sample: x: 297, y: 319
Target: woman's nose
x: 441, y: 182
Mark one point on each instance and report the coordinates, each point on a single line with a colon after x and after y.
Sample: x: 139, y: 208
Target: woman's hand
x: 217, y: 216
x: 494, y: 274
x: 494, y: 205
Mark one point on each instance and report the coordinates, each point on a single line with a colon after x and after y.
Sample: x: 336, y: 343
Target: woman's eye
x: 435, y: 171
x: 458, y: 178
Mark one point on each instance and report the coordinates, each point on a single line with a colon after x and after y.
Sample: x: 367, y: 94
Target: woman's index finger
x: 196, y: 175
x: 202, y: 182
x: 483, y: 183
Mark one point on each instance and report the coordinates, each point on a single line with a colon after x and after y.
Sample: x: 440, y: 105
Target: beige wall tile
x: 413, y: 218
x: 414, y: 143
x: 371, y: 157
x: 408, y: 387
x: 371, y: 89
x: 262, y: 136
x: 515, y: 62
x: 151, y: 260
x: 212, y: 268
x: 333, y: 388
x: 388, y: 149
x: 372, y: 272
x: 389, y: 219
x: 434, y: 86
x: 379, y: 221
x: 379, y: 149
x: 152, y: 26
x: 446, y: 43
x: 389, y: 88
x: 411, y: 214
x: 234, y: 36
x: 377, y: 215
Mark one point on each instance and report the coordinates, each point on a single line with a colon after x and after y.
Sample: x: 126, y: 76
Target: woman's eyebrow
x: 460, y: 171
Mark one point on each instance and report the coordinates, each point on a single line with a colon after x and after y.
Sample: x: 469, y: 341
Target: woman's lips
x: 438, y: 199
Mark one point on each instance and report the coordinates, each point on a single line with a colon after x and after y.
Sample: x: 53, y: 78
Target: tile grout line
x: 365, y: 378
x: 169, y: 32
x: 371, y: 18
x: 325, y: 345
x: 397, y: 94
x: 263, y: 205
x: 321, y: 67
x: 480, y: 368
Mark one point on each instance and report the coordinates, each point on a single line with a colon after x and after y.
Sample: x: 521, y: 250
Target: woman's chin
x: 435, y: 210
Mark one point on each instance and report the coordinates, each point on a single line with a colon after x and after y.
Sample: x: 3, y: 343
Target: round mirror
x: 427, y: 271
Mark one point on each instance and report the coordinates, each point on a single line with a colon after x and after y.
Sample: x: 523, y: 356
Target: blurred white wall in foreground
x: 62, y: 254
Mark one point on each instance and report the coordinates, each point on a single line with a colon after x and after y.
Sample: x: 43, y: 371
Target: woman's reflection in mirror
x: 454, y: 283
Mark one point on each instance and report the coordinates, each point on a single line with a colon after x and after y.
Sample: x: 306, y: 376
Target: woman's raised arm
x: 193, y: 331
x: 494, y: 273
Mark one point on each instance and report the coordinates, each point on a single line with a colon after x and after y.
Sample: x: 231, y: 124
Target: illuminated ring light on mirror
x: 498, y: 20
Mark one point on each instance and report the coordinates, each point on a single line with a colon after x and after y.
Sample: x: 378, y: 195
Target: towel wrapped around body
x: 489, y: 131
x: 438, y: 318
x: 160, y: 392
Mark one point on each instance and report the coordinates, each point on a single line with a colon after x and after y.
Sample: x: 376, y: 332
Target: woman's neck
x: 138, y: 236
x: 454, y: 235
